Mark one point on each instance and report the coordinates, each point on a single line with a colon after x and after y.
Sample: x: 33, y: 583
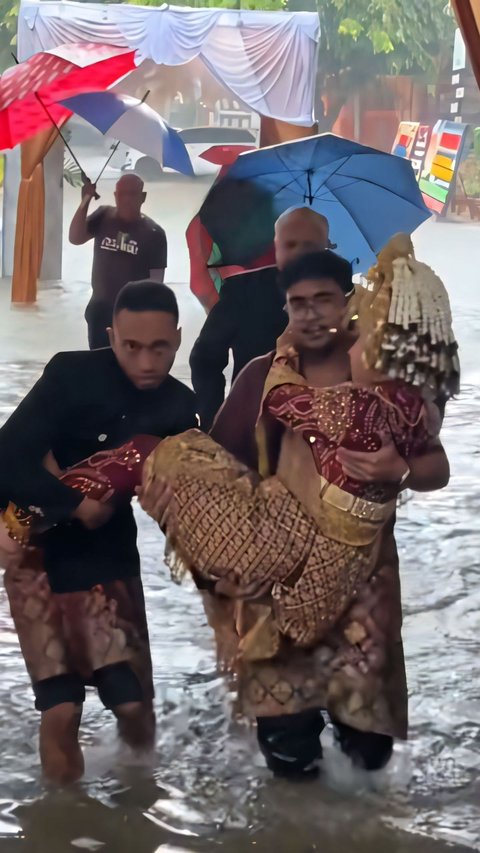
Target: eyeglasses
x: 301, y: 310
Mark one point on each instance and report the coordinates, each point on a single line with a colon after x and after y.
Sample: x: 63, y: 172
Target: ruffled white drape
x: 267, y: 59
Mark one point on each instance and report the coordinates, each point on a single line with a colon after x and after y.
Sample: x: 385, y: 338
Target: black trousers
x: 99, y: 317
x: 291, y: 744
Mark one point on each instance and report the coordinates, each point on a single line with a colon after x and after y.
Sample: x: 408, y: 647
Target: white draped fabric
x: 267, y: 59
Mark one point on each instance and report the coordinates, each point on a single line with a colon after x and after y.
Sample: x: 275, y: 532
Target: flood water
x: 205, y: 787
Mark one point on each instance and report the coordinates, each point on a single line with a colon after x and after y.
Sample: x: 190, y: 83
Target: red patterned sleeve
x: 414, y: 423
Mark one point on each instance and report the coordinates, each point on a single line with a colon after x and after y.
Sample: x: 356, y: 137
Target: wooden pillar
x: 53, y: 238
x: 467, y: 13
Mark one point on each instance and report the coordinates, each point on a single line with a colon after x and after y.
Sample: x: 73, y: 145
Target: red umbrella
x: 206, y: 275
x: 30, y: 90
x: 224, y: 155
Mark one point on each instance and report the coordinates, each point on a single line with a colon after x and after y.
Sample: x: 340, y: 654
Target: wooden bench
x: 461, y: 202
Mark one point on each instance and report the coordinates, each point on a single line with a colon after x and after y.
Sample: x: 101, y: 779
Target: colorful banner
x: 417, y: 157
x: 442, y: 160
x: 405, y: 139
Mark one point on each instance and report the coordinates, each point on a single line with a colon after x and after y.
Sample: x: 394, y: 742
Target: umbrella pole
x: 67, y: 146
x: 107, y: 161
x: 85, y: 178
x: 112, y: 152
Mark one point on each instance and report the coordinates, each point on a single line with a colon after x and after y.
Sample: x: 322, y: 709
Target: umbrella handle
x: 86, y: 180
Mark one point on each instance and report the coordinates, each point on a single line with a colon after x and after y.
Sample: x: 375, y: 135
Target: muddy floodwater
x: 205, y: 787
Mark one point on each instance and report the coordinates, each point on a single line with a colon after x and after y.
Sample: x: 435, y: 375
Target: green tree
x: 8, y: 32
x: 361, y: 39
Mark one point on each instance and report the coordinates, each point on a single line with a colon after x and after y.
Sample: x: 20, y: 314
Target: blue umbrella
x: 132, y: 121
x: 366, y: 195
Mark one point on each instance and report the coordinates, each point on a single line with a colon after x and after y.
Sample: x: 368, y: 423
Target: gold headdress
x: 405, y: 321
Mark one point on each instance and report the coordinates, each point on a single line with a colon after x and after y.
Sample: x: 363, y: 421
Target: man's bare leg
x: 60, y: 752
x: 136, y: 725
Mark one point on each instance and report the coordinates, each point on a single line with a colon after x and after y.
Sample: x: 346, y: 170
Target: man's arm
x: 427, y: 473
x: 234, y: 426
x: 79, y: 232
x: 209, y: 356
x: 26, y: 439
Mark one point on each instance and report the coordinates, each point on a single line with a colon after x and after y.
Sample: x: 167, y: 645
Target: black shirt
x: 83, y: 403
x: 247, y: 319
x: 123, y: 251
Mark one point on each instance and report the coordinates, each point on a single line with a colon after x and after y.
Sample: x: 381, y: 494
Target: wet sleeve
x: 209, y: 356
x: 158, y: 250
x: 25, y: 440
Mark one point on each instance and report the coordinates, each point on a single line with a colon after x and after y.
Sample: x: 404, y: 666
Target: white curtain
x: 267, y: 59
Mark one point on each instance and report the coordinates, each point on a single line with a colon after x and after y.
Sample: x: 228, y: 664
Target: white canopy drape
x: 267, y: 59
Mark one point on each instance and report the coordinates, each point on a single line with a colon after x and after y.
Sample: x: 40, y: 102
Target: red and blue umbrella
x: 30, y: 92
x: 136, y: 124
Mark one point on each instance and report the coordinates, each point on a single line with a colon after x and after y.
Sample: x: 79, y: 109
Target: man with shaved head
x: 129, y: 246
x: 250, y: 315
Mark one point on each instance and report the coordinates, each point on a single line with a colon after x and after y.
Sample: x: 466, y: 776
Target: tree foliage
x: 361, y: 39
x: 8, y: 31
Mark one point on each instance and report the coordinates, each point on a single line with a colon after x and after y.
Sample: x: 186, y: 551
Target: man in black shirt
x: 128, y: 247
x: 83, y: 622
x: 250, y: 315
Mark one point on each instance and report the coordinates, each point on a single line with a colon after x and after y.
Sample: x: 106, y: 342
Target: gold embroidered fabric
x: 228, y: 525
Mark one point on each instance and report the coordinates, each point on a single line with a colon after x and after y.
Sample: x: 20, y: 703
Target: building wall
x: 372, y: 116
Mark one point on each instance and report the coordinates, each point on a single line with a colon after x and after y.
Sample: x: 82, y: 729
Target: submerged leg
x: 136, y: 725
x: 368, y: 750
x: 60, y: 700
x: 120, y: 691
x: 60, y: 752
x: 291, y: 744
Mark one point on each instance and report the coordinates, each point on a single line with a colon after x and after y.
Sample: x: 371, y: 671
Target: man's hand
x: 89, y: 191
x: 382, y: 466
x: 93, y: 514
x: 154, y: 496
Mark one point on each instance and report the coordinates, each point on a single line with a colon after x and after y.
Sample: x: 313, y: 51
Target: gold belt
x: 347, y: 518
x: 356, y: 506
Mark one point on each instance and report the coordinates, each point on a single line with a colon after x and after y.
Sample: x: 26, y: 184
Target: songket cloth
x: 78, y: 633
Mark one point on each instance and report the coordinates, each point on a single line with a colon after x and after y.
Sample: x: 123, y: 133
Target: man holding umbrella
x: 367, y: 196
x: 129, y: 246
x: 250, y: 315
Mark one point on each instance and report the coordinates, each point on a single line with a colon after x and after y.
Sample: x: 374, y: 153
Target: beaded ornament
x: 405, y: 320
